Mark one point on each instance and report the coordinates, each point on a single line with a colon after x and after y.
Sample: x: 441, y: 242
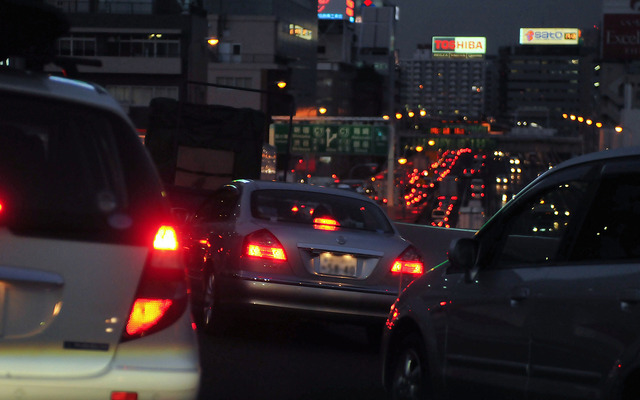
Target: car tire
x: 409, y: 376
x: 211, y: 320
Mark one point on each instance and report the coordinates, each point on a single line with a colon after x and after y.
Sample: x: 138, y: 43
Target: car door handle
x: 519, y: 294
x: 629, y: 297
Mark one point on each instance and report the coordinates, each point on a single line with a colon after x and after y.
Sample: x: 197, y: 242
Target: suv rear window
x: 303, y: 207
x: 69, y: 169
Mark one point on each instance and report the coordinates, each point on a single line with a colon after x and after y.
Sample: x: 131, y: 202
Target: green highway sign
x: 333, y: 139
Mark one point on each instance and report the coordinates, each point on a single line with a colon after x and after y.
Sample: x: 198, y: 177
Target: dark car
x: 296, y: 248
x: 542, y: 303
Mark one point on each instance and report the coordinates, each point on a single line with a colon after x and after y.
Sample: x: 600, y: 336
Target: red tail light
x: 410, y: 262
x: 325, y: 224
x: 166, y: 239
x: 161, y: 297
x: 146, y: 313
x: 124, y: 396
x: 263, y: 244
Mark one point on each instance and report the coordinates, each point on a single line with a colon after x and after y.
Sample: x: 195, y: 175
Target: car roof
x: 601, y: 156
x: 259, y: 185
x: 56, y: 87
x: 604, y: 155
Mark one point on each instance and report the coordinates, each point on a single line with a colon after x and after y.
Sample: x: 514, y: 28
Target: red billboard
x: 621, y: 37
x: 336, y: 9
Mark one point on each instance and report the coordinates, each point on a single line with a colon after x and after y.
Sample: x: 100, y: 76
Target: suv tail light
x: 409, y: 262
x: 161, y: 297
x: 263, y: 244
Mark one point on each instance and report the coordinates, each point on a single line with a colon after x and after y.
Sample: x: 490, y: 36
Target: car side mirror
x: 462, y: 256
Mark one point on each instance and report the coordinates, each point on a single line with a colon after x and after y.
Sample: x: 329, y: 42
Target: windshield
x: 306, y: 207
x: 63, y: 167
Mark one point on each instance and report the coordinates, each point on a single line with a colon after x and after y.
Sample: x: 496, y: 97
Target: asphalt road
x: 287, y: 360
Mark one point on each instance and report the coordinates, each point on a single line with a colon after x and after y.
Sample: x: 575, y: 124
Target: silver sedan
x: 296, y: 248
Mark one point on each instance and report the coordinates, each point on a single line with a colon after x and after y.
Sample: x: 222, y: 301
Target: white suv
x: 93, y: 295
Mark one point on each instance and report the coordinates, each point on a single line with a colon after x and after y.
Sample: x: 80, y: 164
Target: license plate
x: 341, y: 265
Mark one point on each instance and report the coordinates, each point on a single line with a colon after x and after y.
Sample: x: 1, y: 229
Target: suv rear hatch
x: 80, y: 204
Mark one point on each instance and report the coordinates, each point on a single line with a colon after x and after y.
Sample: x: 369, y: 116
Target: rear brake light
x: 263, y: 244
x: 124, y: 396
x: 326, y: 224
x: 146, y: 313
x: 166, y: 239
x: 161, y: 298
x: 410, y: 262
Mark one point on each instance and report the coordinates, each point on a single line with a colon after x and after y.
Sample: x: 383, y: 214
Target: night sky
x: 498, y: 20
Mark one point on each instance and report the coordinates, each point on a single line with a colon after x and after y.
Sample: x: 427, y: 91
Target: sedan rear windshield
x: 319, y: 208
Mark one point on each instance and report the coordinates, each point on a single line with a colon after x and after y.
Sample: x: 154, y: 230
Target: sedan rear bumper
x: 332, y: 300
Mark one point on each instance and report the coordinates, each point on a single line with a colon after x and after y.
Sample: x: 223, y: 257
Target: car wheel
x: 210, y: 318
x: 409, y: 378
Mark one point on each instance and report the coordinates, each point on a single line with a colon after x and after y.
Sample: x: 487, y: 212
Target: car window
x: 220, y: 206
x: 610, y: 231
x: 534, y: 232
x: 70, y: 169
x: 60, y: 164
x: 304, y: 207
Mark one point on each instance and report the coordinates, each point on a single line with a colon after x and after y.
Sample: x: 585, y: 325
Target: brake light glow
x: 146, y: 313
x: 162, y: 296
x: 124, y: 396
x: 262, y: 244
x: 410, y: 262
x: 166, y: 238
x: 325, y: 224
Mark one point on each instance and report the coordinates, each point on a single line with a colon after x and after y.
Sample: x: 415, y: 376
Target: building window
x: 243, y: 82
x: 77, y: 46
x: 141, y: 95
x: 136, y: 45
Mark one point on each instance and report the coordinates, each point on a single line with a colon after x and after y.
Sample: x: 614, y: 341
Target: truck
x: 197, y: 148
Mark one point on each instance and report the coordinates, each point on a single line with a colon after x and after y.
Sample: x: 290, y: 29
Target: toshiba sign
x: 459, y: 45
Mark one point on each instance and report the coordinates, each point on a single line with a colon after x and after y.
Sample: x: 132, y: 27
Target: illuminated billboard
x: 336, y: 9
x: 621, y: 37
x: 449, y: 46
x: 549, y: 36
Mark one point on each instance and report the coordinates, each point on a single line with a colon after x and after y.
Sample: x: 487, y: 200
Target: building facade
x: 541, y: 83
x: 137, y: 50
x: 446, y: 88
x: 261, y: 43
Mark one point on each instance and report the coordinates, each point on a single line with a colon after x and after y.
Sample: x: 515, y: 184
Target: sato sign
x: 458, y: 45
x: 553, y: 36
